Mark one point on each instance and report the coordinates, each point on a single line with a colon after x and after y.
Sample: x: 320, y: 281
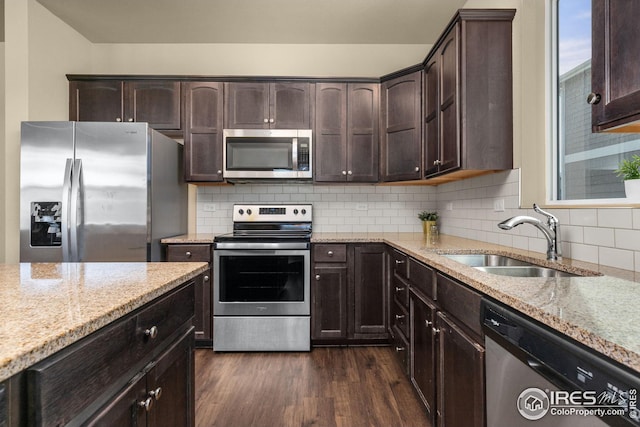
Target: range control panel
x: 272, y: 213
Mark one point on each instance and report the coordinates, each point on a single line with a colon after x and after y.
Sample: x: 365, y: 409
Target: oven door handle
x: 262, y: 246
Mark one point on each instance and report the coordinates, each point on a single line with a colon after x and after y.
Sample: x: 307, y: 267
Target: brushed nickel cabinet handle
x: 593, y: 98
x: 156, y: 393
x: 146, y: 404
x: 152, y: 332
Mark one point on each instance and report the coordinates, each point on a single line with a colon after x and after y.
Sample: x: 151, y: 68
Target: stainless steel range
x: 261, y: 287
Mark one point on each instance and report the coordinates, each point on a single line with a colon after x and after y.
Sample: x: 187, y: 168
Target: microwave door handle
x: 294, y: 153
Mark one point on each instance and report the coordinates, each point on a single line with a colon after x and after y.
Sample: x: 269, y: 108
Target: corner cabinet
x: 157, y: 102
x: 401, y: 140
x: 268, y: 105
x: 615, y: 85
x: 348, y: 294
x: 468, y: 97
x: 203, y: 107
x: 346, y: 137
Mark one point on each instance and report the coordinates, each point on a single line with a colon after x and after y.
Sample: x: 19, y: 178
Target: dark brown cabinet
x: 157, y: 102
x: 401, y: 140
x: 203, y: 320
x: 268, y: 105
x: 614, y: 66
x: 203, y: 108
x: 468, y: 97
x: 424, y: 350
x: 348, y: 294
x: 346, y: 138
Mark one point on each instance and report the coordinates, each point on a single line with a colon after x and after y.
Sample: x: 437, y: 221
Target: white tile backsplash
x: 607, y: 236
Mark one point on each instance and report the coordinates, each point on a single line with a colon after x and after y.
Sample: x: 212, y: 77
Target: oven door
x: 261, y: 282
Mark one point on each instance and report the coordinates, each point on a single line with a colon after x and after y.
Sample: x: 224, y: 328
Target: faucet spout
x: 551, y: 231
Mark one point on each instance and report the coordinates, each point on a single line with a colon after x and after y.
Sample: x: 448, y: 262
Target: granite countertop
x: 48, y: 306
x: 597, y: 310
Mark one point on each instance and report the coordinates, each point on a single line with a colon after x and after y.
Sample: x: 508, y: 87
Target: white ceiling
x: 257, y: 21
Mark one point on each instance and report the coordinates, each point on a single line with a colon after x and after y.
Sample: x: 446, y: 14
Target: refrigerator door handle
x: 76, y: 210
x: 66, y: 210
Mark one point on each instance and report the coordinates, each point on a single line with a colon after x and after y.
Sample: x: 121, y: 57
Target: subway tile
x: 615, y: 217
x: 599, y: 236
x: 617, y: 258
x: 627, y: 239
x: 586, y: 253
x: 585, y: 217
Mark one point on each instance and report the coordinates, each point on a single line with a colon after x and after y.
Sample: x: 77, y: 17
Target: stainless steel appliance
x: 261, y: 286
x: 537, y: 377
x: 267, y: 153
x: 98, y: 192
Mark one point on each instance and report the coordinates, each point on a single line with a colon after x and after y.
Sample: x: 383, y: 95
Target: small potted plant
x: 429, y: 219
x: 629, y: 171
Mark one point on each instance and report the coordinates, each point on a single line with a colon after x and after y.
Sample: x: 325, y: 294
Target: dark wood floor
x: 358, y: 386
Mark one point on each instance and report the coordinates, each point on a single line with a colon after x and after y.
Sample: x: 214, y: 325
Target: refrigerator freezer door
x: 113, y: 194
x: 46, y: 149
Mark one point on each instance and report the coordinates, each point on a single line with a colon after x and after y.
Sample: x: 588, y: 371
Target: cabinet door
x: 330, y: 144
x: 423, y: 351
x: 290, y: 106
x: 156, y: 102
x: 369, y: 292
x: 460, y: 381
x: 401, y: 145
x: 329, y: 302
x: 431, y: 117
x: 203, y: 131
x: 247, y: 105
x: 615, y: 64
x: 362, y: 132
x: 96, y: 101
x: 127, y: 408
x: 170, y: 385
x: 449, y: 151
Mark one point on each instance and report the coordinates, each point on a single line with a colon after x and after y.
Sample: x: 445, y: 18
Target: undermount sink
x: 506, y: 266
x: 526, y: 271
x: 486, y: 260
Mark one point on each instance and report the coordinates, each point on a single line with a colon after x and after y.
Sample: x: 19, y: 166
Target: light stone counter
x: 598, y: 311
x: 46, y: 307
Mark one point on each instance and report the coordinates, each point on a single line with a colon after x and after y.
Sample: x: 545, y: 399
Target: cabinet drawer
x: 421, y: 277
x: 62, y: 385
x: 460, y: 302
x: 329, y: 253
x: 400, y: 318
x: 184, y: 253
x: 400, y: 292
x: 399, y: 264
x: 401, y: 348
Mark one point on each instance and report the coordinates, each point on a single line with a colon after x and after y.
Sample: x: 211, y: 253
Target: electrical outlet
x: 209, y: 207
x: 449, y: 206
x: 498, y: 205
x: 361, y: 206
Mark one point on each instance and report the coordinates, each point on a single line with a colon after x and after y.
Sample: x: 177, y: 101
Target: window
x: 585, y: 162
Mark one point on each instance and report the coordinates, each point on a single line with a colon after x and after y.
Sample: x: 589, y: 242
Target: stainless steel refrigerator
x: 94, y: 191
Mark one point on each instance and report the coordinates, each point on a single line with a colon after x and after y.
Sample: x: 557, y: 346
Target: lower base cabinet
x: 424, y: 351
x: 348, y: 294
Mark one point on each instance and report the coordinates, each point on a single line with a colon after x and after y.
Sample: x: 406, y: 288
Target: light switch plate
x: 209, y: 207
x: 498, y: 205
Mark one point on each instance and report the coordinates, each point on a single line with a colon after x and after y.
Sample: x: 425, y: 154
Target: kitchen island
x: 53, y: 314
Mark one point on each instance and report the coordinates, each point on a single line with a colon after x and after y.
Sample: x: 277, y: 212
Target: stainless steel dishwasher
x: 538, y: 377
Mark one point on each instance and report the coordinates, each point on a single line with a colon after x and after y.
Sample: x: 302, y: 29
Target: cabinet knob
x: 417, y: 168
x: 156, y: 393
x: 399, y: 316
x: 428, y: 323
x: 130, y: 119
x: 219, y: 172
x: 188, y: 254
x: 593, y: 98
x: 146, y: 404
x: 317, y: 277
x: 266, y: 120
x: 399, y: 289
x: 399, y: 349
x: 344, y: 172
x: 271, y: 120
x: 437, y: 162
x: 330, y: 253
x: 399, y: 261
x: 118, y: 119
x: 436, y: 331
x: 206, y: 278
x: 152, y: 332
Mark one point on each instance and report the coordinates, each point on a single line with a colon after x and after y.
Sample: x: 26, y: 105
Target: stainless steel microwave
x: 267, y: 153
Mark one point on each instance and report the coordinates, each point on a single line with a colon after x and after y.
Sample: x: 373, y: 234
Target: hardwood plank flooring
x: 342, y: 387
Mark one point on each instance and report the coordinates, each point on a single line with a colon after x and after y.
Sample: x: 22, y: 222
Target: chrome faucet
x: 551, y: 231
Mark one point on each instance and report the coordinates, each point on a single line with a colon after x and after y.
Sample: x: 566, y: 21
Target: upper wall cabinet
x: 615, y: 82
x: 156, y: 102
x: 275, y: 105
x: 468, y: 97
x: 346, y: 137
x: 401, y: 142
x: 203, y: 107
